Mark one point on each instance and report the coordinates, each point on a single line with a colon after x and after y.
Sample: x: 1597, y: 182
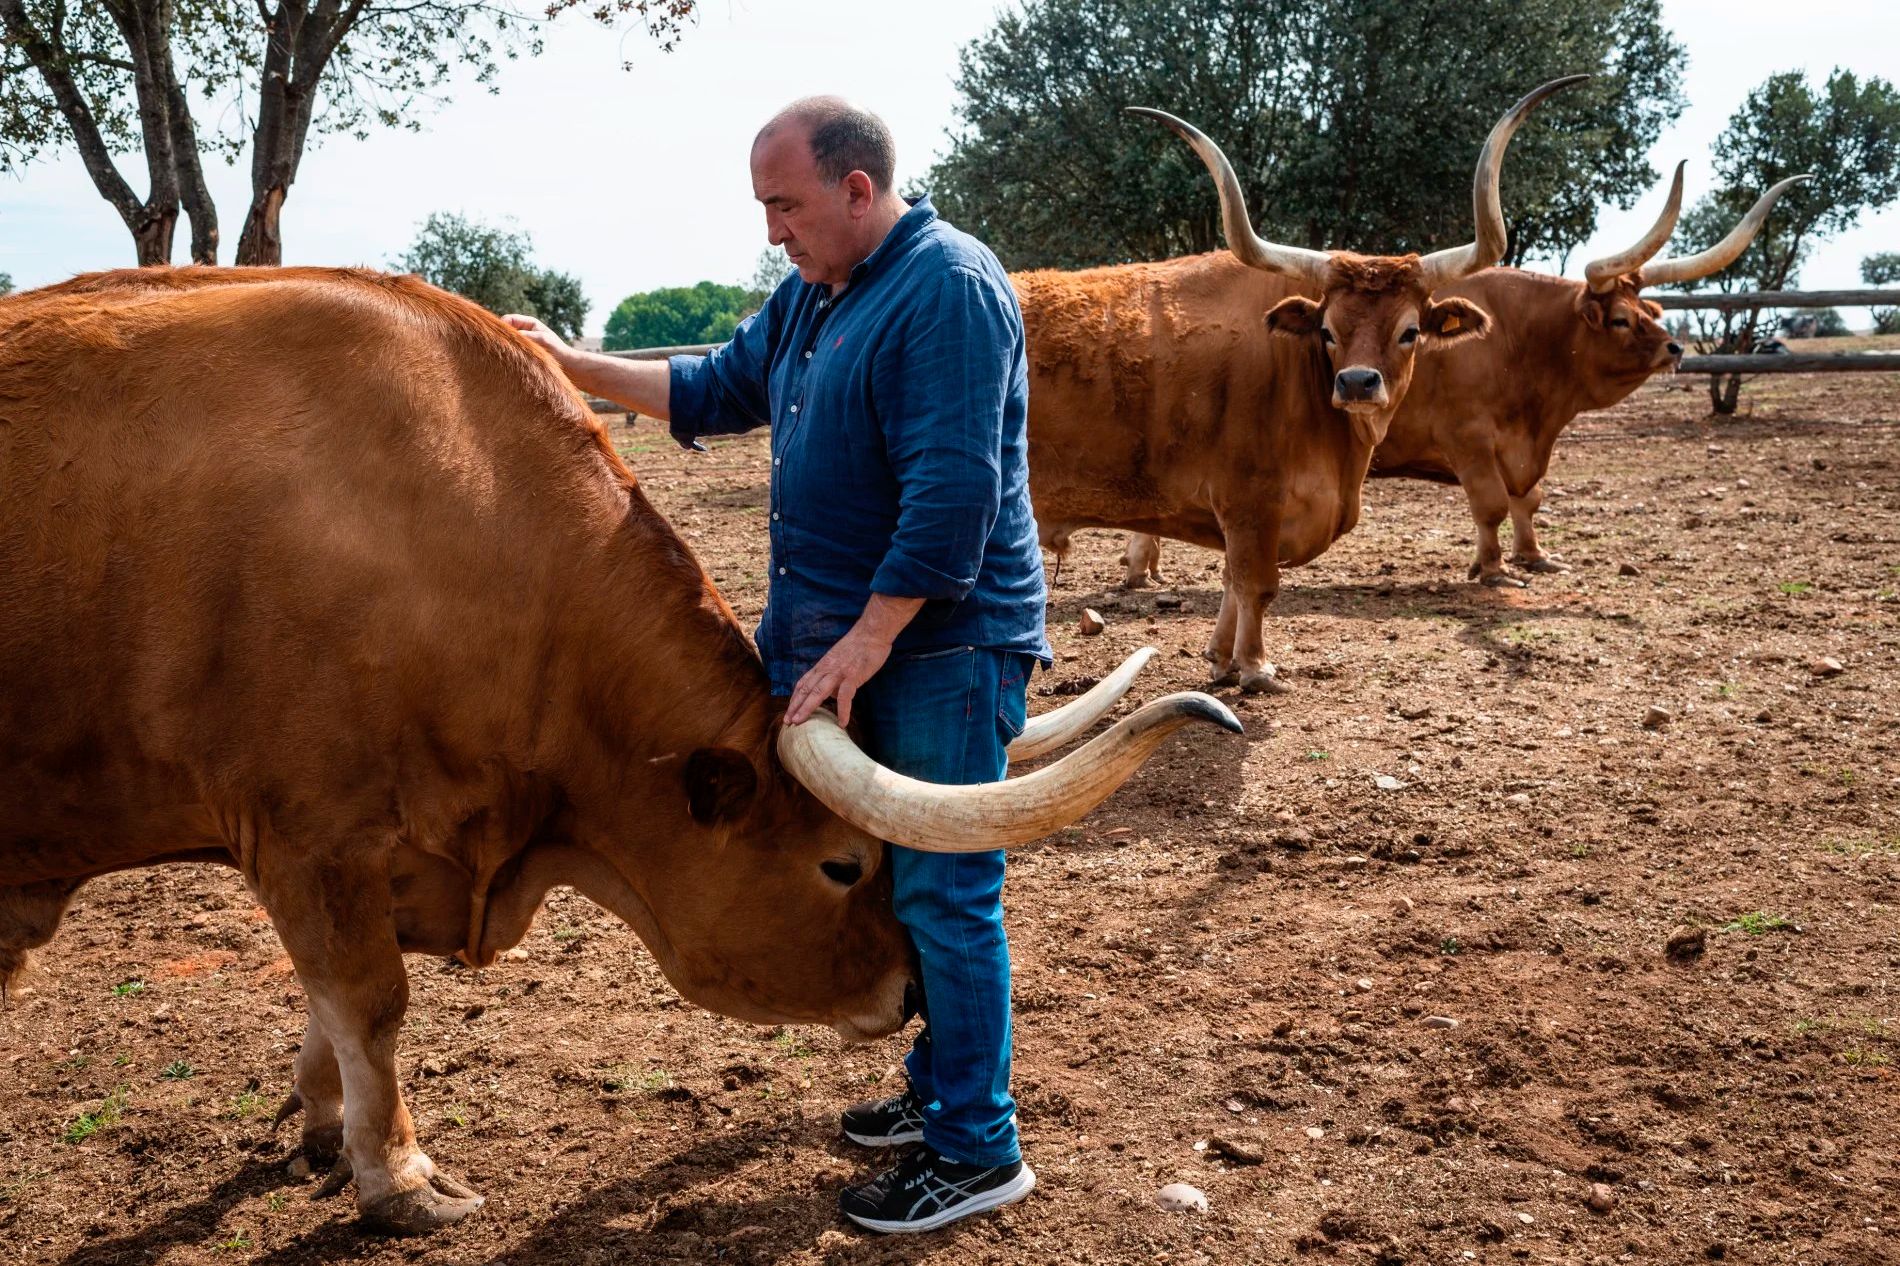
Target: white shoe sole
x: 1009, y: 1193
x: 886, y: 1140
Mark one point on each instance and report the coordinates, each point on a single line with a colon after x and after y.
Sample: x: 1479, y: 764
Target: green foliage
x: 6, y: 283
x: 1756, y: 922
x: 495, y: 268
x: 1883, y: 269
x: 177, y: 1070
x: 87, y: 1124
x: 1817, y: 323
x: 1352, y: 123
x: 706, y: 313
x: 772, y: 268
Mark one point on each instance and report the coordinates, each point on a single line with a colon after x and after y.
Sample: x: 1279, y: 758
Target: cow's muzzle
x: 1359, y: 387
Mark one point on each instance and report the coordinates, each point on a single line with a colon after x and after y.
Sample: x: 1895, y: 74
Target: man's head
x: 824, y: 170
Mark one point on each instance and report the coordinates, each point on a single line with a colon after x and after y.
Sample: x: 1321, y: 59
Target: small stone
x: 1178, y: 1197
x: 1235, y: 1106
x: 1526, y: 1218
x: 1629, y: 569
x: 1236, y: 1151
x: 299, y: 1168
x: 1091, y: 622
x: 1297, y: 838
x: 1657, y: 717
x: 1686, y: 943
x: 1315, y: 1133
x: 519, y: 954
x: 1827, y: 666
x: 1403, y: 905
x: 1170, y: 602
x: 432, y: 1067
x: 1354, y: 861
x: 1601, y: 1199
x: 1440, y: 1022
x: 1363, y: 984
x: 1457, y: 1104
x: 1386, y: 782
x: 1520, y: 798
x: 1418, y: 713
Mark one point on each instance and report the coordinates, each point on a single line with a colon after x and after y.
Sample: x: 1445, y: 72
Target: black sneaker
x: 888, y: 1122
x: 925, y: 1191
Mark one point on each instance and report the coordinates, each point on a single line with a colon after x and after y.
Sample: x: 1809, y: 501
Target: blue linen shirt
x: 900, y: 459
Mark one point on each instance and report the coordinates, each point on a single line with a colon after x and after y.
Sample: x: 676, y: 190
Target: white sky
x: 638, y: 179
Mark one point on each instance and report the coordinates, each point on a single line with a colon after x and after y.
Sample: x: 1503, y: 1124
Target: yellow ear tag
x: 1451, y: 323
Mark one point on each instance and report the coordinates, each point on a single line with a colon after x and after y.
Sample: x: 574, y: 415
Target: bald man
x: 906, y: 584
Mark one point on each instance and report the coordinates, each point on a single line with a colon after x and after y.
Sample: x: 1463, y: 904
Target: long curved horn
x: 1725, y: 252
x: 1601, y: 274
x: 950, y: 819
x: 1252, y: 250
x: 1487, y: 204
x: 1063, y: 725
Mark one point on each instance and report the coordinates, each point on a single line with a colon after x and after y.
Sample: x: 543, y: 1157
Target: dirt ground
x: 1409, y: 1025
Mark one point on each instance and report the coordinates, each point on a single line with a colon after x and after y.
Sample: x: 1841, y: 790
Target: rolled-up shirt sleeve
x: 940, y: 401
x: 725, y: 391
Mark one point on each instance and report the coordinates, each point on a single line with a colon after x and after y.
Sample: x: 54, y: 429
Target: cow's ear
x: 1654, y: 309
x: 1590, y: 309
x: 1449, y: 320
x: 1295, y: 317
x: 720, y: 784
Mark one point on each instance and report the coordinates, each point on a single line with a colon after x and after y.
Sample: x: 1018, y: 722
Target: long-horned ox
x: 1158, y: 403
x: 328, y: 577
x: 1486, y: 414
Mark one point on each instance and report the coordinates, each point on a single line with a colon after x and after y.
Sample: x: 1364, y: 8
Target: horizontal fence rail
x: 1795, y: 363
x: 1740, y: 300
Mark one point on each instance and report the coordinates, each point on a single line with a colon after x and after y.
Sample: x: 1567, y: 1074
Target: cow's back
x: 252, y: 534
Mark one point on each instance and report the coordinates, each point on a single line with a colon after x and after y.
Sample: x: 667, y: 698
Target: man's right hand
x: 536, y: 331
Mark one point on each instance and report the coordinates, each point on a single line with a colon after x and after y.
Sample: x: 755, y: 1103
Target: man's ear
x: 1449, y: 320
x: 1295, y: 317
x: 720, y: 784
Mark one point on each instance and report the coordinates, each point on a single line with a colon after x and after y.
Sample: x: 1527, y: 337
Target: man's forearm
x: 884, y: 617
x: 641, y: 385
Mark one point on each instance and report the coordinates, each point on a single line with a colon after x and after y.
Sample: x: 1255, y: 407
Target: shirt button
x: 775, y: 461
x: 794, y: 408
x: 781, y: 571
x: 807, y: 355
x: 775, y: 516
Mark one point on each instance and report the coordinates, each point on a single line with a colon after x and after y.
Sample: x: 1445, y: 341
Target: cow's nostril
x: 1675, y: 349
x: 1358, y: 384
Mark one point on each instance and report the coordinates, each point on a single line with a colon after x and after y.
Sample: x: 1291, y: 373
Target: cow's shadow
x: 187, y: 1225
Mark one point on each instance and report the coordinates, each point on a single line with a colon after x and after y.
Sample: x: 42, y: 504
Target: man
x: 906, y: 584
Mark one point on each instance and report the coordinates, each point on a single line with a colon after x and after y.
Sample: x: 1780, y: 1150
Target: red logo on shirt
x: 838, y: 344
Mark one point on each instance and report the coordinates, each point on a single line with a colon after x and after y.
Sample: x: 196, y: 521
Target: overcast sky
x: 637, y: 179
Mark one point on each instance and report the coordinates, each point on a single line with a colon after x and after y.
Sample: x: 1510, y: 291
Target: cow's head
x: 1373, y: 314
x: 1621, y: 340
x: 771, y: 900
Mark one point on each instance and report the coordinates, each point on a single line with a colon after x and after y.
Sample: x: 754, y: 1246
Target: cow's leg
x: 1490, y: 502
x: 1253, y: 560
x: 1524, y: 548
x: 342, y: 939
x: 319, y: 1096
x: 1141, y: 561
x: 1220, y: 644
x: 29, y: 915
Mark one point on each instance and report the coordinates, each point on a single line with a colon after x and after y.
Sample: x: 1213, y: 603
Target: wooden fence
x: 1787, y: 362
x: 1732, y: 301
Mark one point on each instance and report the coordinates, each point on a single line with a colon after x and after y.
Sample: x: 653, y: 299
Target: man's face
x: 819, y: 223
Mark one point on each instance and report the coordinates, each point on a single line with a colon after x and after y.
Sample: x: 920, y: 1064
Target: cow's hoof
x: 1263, y: 684
x: 1134, y: 580
x: 1221, y: 677
x: 1544, y: 566
x: 1498, y: 580
x: 323, y: 1146
x: 420, y: 1210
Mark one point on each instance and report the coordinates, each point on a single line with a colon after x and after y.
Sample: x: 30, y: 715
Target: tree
x: 1338, y: 141
x: 772, y: 268
x: 6, y: 283
x: 495, y: 268
x: 1846, y: 134
x: 1883, y: 269
x: 676, y: 315
x: 107, y: 79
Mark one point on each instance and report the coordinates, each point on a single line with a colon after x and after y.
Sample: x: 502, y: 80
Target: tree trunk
x: 1724, y: 392
x: 152, y: 235
x: 260, y: 244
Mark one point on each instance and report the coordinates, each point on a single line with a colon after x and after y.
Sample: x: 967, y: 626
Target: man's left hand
x: 846, y: 666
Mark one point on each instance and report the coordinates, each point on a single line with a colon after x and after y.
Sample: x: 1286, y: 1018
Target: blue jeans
x: 947, y: 717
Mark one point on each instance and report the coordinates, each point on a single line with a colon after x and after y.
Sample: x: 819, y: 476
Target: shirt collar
x: 908, y: 226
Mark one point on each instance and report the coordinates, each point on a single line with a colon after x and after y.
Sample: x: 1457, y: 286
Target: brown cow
x: 1487, y: 414
x: 1156, y: 405
x: 329, y: 577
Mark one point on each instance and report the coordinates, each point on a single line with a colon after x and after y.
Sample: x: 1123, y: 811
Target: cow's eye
x: 846, y: 873
x: 1619, y: 323
x: 1325, y: 336
x: 1410, y: 336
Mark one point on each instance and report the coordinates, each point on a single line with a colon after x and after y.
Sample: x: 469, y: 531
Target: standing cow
x: 1486, y: 414
x: 329, y: 577
x: 1158, y: 403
